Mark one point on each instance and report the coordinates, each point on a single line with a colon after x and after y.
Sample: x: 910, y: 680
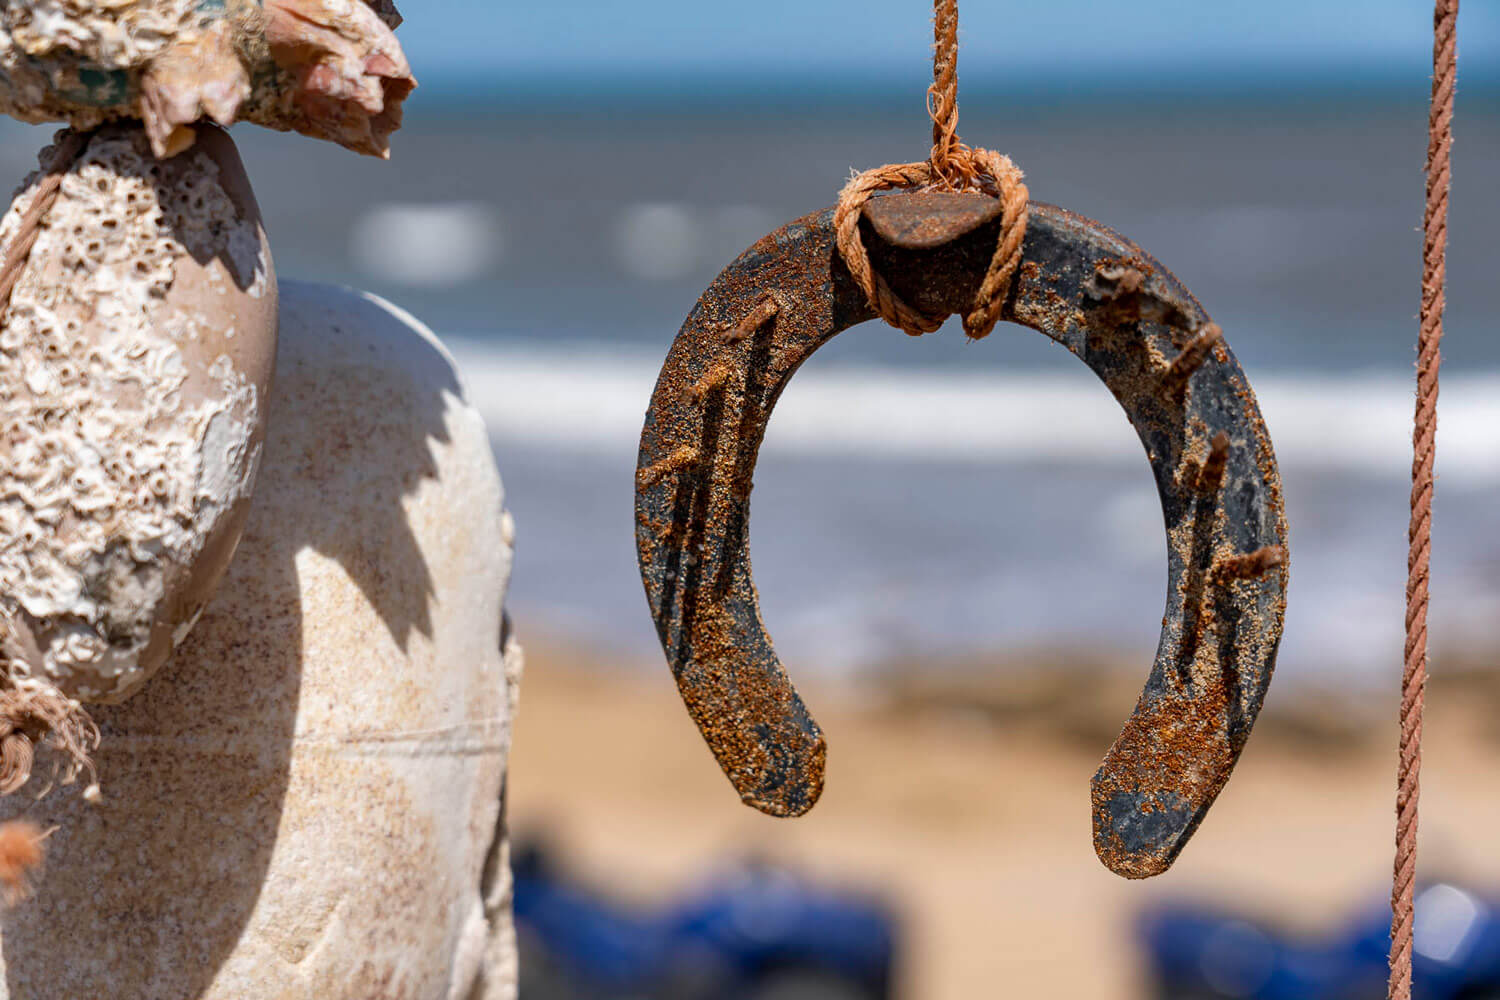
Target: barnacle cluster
x: 114, y: 468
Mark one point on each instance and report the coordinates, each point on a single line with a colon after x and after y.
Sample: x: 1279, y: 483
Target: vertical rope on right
x: 1424, y: 440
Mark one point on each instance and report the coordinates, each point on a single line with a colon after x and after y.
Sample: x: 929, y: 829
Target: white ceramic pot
x: 307, y: 801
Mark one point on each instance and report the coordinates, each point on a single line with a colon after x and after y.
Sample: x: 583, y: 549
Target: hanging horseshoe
x: 1141, y: 332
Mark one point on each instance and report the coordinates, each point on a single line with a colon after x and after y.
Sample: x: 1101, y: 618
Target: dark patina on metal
x: 1148, y: 340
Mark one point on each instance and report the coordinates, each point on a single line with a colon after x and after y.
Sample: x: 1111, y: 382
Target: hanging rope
x: 1429, y: 360
x: 951, y: 166
x: 942, y: 96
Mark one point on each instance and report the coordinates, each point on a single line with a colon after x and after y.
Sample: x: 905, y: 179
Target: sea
x: 921, y: 500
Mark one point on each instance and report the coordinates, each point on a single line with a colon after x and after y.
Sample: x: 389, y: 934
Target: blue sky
x: 888, y: 39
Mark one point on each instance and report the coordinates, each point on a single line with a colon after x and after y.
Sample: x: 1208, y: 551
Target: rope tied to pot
x: 29, y: 716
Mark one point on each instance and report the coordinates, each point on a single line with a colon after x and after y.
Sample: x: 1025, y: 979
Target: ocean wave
x: 427, y: 245
x: 593, y: 401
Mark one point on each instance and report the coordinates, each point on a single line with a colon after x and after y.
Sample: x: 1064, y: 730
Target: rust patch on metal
x: 1251, y: 564
x: 753, y: 320
x: 1191, y: 359
x: 686, y: 457
x: 1211, y: 472
x: 1123, y: 289
x: 1148, y: 340
x: 714, y: 378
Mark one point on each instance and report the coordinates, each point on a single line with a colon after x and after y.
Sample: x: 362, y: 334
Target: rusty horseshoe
x: 1141, y: 332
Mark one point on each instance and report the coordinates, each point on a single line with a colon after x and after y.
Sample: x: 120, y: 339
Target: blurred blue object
x: 757, y: 932
x: 1198, y: 953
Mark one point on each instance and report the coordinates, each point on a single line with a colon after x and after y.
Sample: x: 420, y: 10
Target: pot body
x: 307, y: 801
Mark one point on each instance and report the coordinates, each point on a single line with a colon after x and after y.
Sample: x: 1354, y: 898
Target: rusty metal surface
x: 927, y: 220
x: 1148, y: 340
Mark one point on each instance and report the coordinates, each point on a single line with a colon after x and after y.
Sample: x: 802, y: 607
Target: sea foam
x: 594, y: 400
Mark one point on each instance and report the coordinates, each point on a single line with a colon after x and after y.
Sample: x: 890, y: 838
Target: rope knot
x: 968, y: 169
x: 952, y: 167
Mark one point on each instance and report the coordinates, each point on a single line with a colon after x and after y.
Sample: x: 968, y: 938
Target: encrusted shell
x: 135, y: 358
x: 331, y: 69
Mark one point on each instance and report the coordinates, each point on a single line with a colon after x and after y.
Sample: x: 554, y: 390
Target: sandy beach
x: 968, y: 809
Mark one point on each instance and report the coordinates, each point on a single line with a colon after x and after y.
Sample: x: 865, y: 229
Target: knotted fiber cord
x: 951, y: 166
x: 1429, y: 360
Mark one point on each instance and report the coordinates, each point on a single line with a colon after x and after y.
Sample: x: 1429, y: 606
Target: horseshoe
x: 1152, y: 345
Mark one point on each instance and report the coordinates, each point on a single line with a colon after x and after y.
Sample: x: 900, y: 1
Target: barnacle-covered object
x: 331, y: 69
x: 135, y: 357
x: 306, y: 803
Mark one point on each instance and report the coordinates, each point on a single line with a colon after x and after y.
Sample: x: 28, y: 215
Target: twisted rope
x: 1424, y: 439
x: 942, y: 95
x: 16, y: 758
x: 64, y: 154
x: 952, y: 166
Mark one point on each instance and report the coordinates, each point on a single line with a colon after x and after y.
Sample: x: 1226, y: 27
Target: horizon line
x: 1360, y: 82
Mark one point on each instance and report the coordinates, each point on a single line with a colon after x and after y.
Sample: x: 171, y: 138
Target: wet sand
x: 970, y: 810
